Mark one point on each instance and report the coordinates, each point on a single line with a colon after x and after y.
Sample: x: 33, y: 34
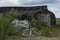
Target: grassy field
x: 56, y: 31
x: 58, y: 20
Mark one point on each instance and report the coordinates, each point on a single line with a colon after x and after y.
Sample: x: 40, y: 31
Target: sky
x: 53, y: 5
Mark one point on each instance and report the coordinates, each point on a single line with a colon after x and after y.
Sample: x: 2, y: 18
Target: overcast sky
x: 53, y: 5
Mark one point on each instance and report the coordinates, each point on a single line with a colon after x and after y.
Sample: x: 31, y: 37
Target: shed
x: 35, y: 11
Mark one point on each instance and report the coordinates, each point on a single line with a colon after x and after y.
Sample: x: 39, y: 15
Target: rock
x: 27, y: 32
x: 15, y: 22
x: 22, y: 23
x: 22, y: 27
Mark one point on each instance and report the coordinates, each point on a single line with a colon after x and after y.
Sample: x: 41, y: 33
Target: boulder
x: 22, y: 27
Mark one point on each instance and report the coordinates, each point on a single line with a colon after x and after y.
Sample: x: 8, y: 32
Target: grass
x: 58, y: 20
x: 58, y: 26
x: 55, y: 30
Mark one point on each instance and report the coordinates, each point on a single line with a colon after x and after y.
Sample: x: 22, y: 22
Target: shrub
x: 13, y: 14
x: 4, y: 27
x: 42, y: 27
x: 38, y: 24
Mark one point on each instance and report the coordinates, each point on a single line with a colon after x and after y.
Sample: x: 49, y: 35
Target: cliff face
x: 27, y: 13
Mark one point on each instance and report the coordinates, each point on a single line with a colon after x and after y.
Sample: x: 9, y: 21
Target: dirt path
x: 40, y: 38
x: 34, y: 38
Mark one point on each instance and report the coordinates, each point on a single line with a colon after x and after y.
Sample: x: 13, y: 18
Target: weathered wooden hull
x: 27, y: 12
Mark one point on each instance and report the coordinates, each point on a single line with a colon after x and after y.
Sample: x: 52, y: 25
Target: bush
x: 4, y: 27
x: 49, y: 32
x: 38, y: 24
x: 42, y: 27
x: 13, y: 14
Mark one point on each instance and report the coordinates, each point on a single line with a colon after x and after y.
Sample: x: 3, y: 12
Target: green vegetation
x: 58, y: 20
x: 41, y: 27
x: 6, y: 27
x: 13, y: 14
x: 53, y: 31
x: 46, y: 30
